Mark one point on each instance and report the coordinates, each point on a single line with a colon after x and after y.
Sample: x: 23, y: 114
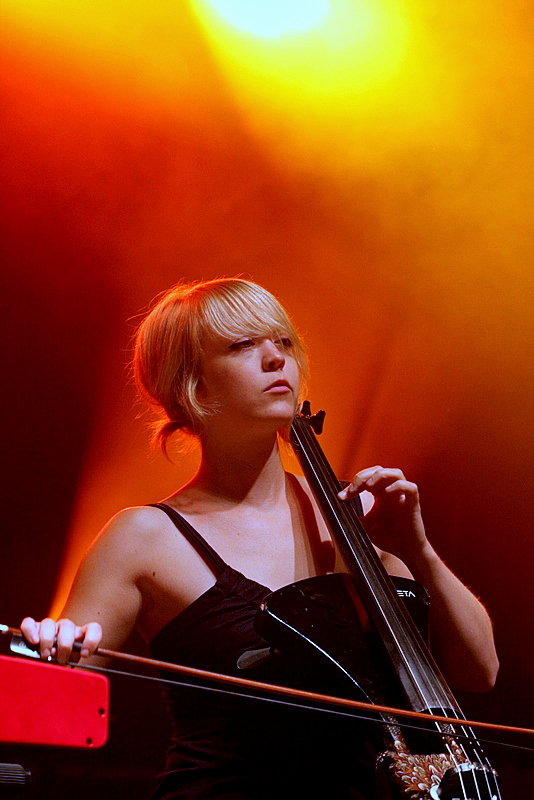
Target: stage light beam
x: 275, y: 17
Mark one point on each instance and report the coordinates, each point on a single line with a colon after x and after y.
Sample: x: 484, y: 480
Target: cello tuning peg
x: 316, y: 420
x: 305, y: 409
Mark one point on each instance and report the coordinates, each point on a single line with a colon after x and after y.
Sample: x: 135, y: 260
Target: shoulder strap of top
x: 192, y: 535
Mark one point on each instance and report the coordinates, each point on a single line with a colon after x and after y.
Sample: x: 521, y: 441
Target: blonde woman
x: 221, y: 362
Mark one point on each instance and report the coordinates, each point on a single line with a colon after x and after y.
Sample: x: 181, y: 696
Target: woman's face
x: 250, y: 379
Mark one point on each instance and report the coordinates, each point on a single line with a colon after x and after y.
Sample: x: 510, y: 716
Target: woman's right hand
x: 56, y: 639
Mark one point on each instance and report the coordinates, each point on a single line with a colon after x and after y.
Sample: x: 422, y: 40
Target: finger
x: 402, y: 485
x: 47, y: 637
x: 92, y: 636
x: 403, y: 491
x: 30, y: 629
x: 66, y: 636
x: 358, y: 483
x: 383, y: 477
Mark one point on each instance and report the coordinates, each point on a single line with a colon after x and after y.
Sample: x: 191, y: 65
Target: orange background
x: 374, y: 172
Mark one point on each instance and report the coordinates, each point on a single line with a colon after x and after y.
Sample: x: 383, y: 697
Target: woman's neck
x: 241, y: 470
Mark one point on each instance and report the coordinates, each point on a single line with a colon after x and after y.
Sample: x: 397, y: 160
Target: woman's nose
x: 272, y: 357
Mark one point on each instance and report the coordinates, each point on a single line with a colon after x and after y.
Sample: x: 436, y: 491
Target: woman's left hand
x: 394, y: 522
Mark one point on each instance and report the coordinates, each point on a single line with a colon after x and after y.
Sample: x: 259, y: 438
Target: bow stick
x: 282, y: 691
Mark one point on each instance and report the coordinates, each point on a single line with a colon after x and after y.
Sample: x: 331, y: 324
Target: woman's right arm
x: 105, y: 601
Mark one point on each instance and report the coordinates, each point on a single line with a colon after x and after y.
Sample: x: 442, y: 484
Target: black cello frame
x: 417, y: 677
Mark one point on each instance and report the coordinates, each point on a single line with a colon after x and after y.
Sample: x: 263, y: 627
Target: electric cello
x: 358, y: 630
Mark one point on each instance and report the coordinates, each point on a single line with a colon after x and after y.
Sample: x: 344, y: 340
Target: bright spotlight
x: 271, y: 18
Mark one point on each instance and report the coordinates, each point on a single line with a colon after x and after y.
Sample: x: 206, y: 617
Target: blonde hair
x: 169, y: 345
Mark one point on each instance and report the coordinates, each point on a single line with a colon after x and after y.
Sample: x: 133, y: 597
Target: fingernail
x: 45, y: 654
x: 84, y: 653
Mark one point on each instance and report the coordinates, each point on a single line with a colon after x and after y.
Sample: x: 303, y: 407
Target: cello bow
x: 256, y: 688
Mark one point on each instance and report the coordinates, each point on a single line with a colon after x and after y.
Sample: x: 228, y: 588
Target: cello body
x: 320, y: 624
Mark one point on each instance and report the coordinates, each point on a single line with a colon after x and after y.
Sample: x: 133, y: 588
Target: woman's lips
x: 279, y: 387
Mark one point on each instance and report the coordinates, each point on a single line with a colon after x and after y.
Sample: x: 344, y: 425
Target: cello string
x: 292, y: 704
x: 325, y: 477
x: 322, y: 474
x: 328, y: 478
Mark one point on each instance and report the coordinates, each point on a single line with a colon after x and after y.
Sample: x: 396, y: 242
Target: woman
x: 221, y: 362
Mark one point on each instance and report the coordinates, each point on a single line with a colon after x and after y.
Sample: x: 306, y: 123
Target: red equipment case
x: 47, y: 704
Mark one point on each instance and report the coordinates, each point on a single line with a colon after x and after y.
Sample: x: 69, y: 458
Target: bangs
x: 242, y: 308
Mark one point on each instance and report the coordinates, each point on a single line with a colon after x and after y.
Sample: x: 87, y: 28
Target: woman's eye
x: 242, y: 344
x: 284, y: 342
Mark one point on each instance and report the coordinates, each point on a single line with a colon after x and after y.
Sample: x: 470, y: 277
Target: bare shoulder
x: 129, y: 535
x: 107, y: 588
x: 134, y: 521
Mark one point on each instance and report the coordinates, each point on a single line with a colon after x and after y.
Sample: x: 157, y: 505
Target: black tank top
x: 233, y: 748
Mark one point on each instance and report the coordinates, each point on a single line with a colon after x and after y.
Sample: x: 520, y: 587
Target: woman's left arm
x: 460, y: 628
